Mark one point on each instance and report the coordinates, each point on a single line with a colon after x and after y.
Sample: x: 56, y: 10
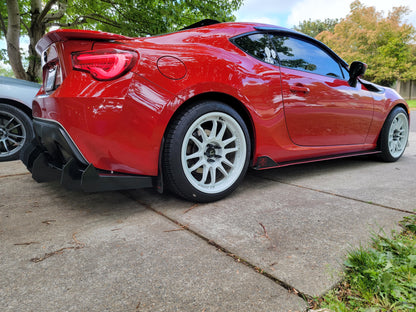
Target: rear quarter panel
x: 222, y: 68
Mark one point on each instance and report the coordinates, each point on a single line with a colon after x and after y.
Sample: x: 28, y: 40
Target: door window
x: 301, y: 55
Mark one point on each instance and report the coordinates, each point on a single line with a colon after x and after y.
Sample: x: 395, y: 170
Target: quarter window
x: 259, y: 46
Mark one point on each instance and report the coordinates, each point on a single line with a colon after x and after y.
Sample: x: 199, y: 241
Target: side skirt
x: 265, y: 162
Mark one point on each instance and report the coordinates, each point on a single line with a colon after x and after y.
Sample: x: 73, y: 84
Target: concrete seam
x: 307, y: 298
x: 14, y: 175
x: 341, y: 196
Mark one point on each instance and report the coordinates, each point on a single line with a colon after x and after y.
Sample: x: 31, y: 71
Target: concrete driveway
x: 283, y: 234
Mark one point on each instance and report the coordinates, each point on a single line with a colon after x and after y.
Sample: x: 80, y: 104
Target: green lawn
x: 412, y: 103
x: 381, y: 277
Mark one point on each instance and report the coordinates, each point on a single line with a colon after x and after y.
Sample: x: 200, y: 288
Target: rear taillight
x: 104, y: 64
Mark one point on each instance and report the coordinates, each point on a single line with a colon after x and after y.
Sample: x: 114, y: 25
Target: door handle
x: 299, y: 88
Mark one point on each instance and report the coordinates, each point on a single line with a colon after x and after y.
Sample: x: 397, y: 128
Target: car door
x: 321, y: 108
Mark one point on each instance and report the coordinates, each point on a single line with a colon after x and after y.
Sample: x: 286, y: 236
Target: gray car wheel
x: 15, y: 131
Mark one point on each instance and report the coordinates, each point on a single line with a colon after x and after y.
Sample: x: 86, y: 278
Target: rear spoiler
x: 75, y: 34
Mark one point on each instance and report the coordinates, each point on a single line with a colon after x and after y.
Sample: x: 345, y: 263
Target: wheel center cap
x: 210, y: 152
x: 396, y: 135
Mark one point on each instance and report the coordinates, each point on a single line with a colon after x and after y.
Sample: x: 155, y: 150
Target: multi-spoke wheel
x: 207, y: 152
x: 394, y: 135
x: 15, y: 131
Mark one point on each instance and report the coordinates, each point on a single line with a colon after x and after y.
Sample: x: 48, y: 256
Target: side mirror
x: 357, y: 69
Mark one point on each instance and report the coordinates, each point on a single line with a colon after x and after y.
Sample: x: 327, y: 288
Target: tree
x: 30, y: 17
x: 386, y: 44
x: 6, y: 72
x: 314, y: 28
x: 129, y: 17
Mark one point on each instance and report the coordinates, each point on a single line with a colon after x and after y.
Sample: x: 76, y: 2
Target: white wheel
x: 398, y: 134
x: 207, y: 152
x: 394, y: 135
x: 213, y: 152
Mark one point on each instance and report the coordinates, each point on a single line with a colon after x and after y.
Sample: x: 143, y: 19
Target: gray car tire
x: 16, y: 130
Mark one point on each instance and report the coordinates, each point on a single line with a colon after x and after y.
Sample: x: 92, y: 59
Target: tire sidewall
x: 186, y: 119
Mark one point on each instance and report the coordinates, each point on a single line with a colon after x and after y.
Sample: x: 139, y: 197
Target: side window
x: 259, y: 46
x: 298, y: 54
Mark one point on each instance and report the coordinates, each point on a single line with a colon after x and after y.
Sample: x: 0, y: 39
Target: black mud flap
x: 42, y: 171
x: 94, y: 181
x: 29, y: 153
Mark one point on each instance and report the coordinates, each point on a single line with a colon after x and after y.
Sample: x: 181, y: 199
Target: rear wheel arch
x: 220, y: 97
x: 165, y: 173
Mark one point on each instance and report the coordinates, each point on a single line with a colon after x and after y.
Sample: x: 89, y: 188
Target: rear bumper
x: 52, y: 156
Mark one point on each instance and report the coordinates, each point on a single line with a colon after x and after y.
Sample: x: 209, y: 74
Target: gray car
x: 15, y: 115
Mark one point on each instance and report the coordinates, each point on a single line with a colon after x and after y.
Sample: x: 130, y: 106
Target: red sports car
x: 192, y: 110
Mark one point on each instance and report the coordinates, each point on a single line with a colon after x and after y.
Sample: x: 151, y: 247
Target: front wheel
x: 394, y: 135
x: 207, y: 152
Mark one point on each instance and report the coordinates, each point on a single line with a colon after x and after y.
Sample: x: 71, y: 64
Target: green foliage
x: 314, y: 28
x: 3, y: 56
x: 145, y: 17
x: 382, y: 278
x: 128, y: 17
x: 6, y: 71
x: 386, y: 44
x: 412, y: 103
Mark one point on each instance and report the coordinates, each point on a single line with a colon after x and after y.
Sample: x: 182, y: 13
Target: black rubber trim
x: 265, y: 162
x: 205, y: 22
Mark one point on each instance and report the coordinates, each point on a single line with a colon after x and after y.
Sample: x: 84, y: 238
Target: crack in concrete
x: 14, y: 175
x: 307, y: 298
x: 78, y: 245
x: 339, y: 195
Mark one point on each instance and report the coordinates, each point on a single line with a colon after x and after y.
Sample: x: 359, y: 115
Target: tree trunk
x: 36, y: 31
x: 13, y: 36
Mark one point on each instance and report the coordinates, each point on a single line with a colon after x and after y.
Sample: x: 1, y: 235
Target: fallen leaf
x: 48, y: 222
x: 26, y: 244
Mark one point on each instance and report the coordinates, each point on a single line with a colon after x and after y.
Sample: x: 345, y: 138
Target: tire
x: 203, y: 165
x: 394, y: 135
x: 15, y: 131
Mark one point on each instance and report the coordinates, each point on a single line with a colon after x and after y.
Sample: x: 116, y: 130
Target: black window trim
x: 297, y: 35
x: 303, y: 37
x: 317, y: 44
x: 233, y: 41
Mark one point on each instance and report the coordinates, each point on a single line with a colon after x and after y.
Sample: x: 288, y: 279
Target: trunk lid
x: 56, y: 48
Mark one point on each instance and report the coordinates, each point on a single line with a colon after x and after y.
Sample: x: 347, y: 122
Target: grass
x: 381, y: 277
x: 412, y: 103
